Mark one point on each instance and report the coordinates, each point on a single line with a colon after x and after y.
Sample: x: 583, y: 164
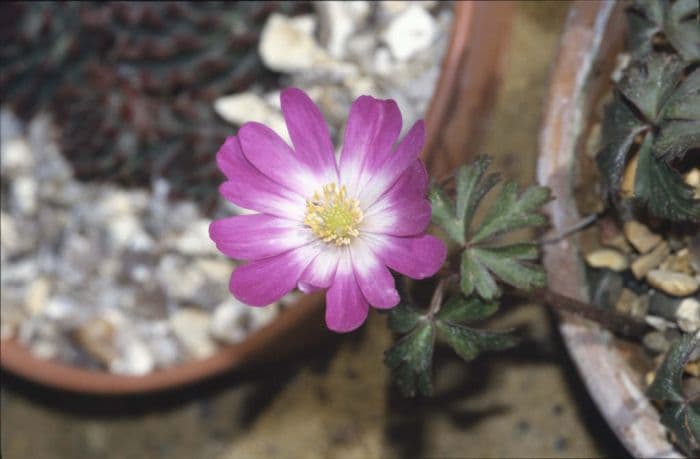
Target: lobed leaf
x: 681, y: 415
x: 466, y: 309
x: 471, y: 189
x: 410, y: 360
x: 404, y: 317
x: 680, y: 127
x: 507, y: 263
x: 510, y: 212
x: 662, y: 190
x: 444, y: 216
x: 469, y: 342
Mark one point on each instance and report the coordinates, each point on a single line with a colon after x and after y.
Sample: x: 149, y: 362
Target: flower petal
x: 271, y: 155
x: 346, y: 306
x: 373, y: 277
x: 261, y: 282
x: 372, y: 128
x: 251, y: 237
x: 416, y: 257
x: 247, y: 187
x: 309, y: 133
x: 398, y: 215
x: 382, y: 178
x: 321, y: 271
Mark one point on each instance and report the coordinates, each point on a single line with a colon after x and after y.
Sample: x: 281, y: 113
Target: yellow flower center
x: 333, y: 216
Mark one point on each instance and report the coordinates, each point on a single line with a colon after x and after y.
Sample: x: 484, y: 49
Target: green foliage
x: 410, y: 359
x: 656, y: 110
x: 483, y: 261
x: 662, y: 189
x: 654, y: 23
x: 681, y: 414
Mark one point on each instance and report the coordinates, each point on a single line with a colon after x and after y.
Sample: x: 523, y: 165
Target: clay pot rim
x: 593, y: 31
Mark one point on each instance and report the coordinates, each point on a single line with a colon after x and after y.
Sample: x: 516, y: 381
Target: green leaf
x: 648, y: 83
x: 680, y: 127
x: 680, y: 414
x: 662, y: 189
x: 475, y: 276
x: 468, y: 342
x: 509, y: 213
x: 471, y: 189
x: 466, y: 309
x: 410, y: 360
x: 668, y: 383
x: 620, y: 127
x: 444, y: 216
x: 676, y: 21
x: 404, y: 317
x: 506, y: 262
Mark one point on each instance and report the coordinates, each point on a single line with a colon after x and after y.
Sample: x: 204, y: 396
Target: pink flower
x: 327, y: 224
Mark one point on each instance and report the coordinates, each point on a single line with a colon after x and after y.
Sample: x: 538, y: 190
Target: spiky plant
x: 131, y: 84
x: 651, y: 130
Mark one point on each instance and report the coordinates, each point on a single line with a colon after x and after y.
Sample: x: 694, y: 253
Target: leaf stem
x: 608, y: 318
x: 578, y: 226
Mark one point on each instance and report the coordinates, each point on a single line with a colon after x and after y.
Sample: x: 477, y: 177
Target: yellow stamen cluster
x: 333, y: 216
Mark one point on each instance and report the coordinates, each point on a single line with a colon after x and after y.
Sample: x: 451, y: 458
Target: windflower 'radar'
x: 327, y: 224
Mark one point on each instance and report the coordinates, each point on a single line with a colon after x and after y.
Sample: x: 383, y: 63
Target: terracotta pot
x: 470, y: 74
x: 593, y: 35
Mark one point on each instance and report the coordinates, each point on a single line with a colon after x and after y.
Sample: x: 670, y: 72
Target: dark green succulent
x: 654, y: 119
x: 131, y: 84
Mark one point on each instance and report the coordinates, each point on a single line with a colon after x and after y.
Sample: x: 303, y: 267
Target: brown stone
x: 607, y: 258
x: 641, y: 237
x: 645, y: 263
x: 675, y: 284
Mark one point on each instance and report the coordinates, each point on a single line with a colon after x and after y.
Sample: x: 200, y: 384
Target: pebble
x: 676, y: 284
x: 607, y: 258
x: 195, y: 239
x: 645, y: 263
x: 15, y: 157
x: 37, y: 296
x: 98, y: 338
x: 633, y: 305
x: 656, y: 342
x: 285, y: 46
x: 692, y: 178
x: 409, y: 32
x: 191, y: 327
x: 24, y: 194
x: 339, y: 19
x: 688, y: 315
x: 640, y: 236
x: 678, y: 262
x: 249, y: 106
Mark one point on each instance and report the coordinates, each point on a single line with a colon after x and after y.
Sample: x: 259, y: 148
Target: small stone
x: 195, y: 240
x: 12, y: 241
x: 286, y: 47
x: 230, y: 322
x: 339, y: 20
x: 126, y: 232
x: 24, y: 195
x: 135, y: 358
x: 98, y: 339
x: 628, y: 177
x: 626, y: 302
x: 659, y: 323
x: 411, y: 31
x: 679, y: 262
x: 37, y: 296
x: 640, y: 236
x: 619, y: 243
x: 692, y: 178
x: 688, y: 315
x: 191, y: 327
x: 645, y: 263
x: 244, y: 107
x: 675, y: 284
x: 656, y: 342
x: 607, y: 258
x: 16, y: 158
x: 11, y: 317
